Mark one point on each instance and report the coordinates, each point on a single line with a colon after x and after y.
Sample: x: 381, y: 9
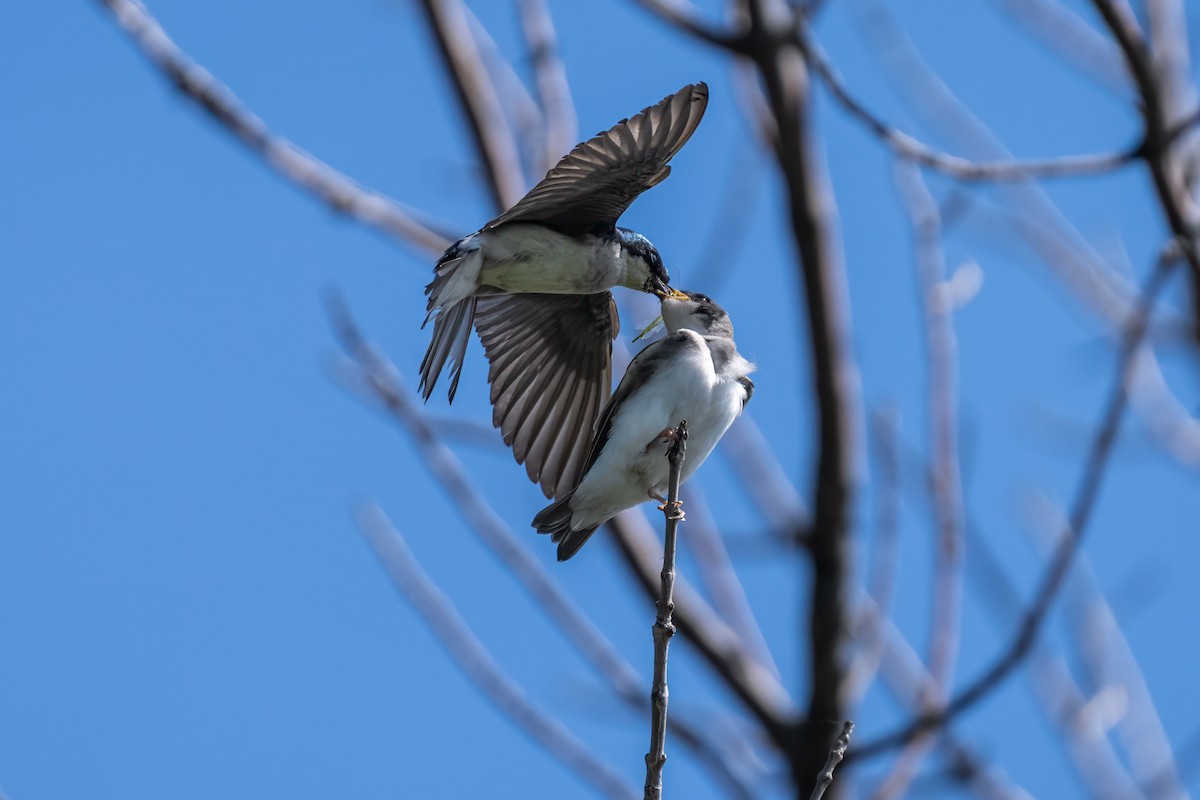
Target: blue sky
x: 186, y: 608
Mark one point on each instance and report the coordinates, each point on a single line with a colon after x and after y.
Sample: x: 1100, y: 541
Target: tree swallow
x: 695, y: 373
x: 535, y: 283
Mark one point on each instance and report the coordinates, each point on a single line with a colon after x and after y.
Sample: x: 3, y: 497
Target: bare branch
x: 836, y: 754
x: 717, y: 575
x: 945, y: 483
x: 475, y: 661
x: 812, y: 214
x: 448, y: 22
x: 554, y: 93
x: 754, y: 685
x: 686, y: 17
x: 1160, y: 135
x: 907, y: 680
x: 1081, y: 510
x: 762, y: 477
x: 868, y: 629
x: 336, y: 190
x: 664, y: 629
x: 1063, y: 32
x: 912, y: 149
x: 528, y: 121
x: 1105, y: 652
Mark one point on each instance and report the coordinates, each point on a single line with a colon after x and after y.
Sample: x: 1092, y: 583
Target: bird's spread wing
x: 550, y: 368
x: 593, y: 184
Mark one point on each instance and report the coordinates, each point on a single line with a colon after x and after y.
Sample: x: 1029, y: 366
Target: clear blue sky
x: 186, y: 610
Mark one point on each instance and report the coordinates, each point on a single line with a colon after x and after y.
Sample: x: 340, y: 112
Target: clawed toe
x: 665, y: 436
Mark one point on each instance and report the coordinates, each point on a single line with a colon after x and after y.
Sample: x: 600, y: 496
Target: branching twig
x: 478, y: 99
x: 1081, y: 510
x: 553, y: 91
x: 836, y: 754
x: 758, y: 689
x: 474, y: 660
x: 1160, y: 135
x: 683, y: 15
x: 1060, y: 29
x: 910, y: 148
x: 944, y: 480
x: 718, y: 576
x: 308, y: 172
x: 664, y: 628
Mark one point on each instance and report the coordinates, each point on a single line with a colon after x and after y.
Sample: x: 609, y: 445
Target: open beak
x: 664, y: 291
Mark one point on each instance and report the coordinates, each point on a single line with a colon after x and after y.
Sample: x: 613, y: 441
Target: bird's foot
x: 676, y: 510
x: 653, y: 495
x: 665, y: 436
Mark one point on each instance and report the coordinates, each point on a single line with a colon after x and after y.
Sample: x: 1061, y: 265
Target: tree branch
x: 664, y: 629
x: 836, y: 754
x: 478, y: 99
x: 683, y: 15
x: 474, y: 660
x: 553, y: 90
x: 912, y: 149
x: 1081, y: 510
x: 759, y: 691
x: 336, y: 190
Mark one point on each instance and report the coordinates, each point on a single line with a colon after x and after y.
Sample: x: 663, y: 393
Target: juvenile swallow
x: 695, y: 373
x: 535, y: 283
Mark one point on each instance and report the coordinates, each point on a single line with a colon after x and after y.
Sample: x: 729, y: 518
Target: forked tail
x: 451, y: 330
x: 555, y: 519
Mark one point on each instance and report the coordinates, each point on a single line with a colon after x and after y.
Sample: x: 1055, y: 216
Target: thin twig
x: 945, y: 488
x: 836, y: 754
x: 686, y: 17
x: 1065, y: 33
x: 448, y: 22
x: 664, y: 628
x: 1158, y: 139
x: 931, y: 98
x: 336, y: 190
x: 553, y: 90
x: 718, y: 576
x: 760, y: 692
x: 385, y: 385
x: 910, y: 148
x: 882, y: 576
x: 475, y: 661
x: 763, y: 478
x: 1055, y: 690
x: 906, y: 678
x: 1104, y: 651
x: 1081, y: 511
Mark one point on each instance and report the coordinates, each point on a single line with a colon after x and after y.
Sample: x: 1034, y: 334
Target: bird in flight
x: 535, y: 281
x: 695, y: 373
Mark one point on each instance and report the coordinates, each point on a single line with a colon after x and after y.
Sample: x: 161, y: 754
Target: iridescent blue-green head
x: 644, y: 268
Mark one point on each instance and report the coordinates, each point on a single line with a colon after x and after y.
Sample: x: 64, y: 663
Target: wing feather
x: 592, y: 185
x: 550, y: 367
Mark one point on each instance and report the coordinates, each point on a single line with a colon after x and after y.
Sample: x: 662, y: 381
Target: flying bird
x: 535, y: 284
x: 695, y: 373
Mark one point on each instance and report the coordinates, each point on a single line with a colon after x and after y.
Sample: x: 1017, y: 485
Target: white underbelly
x: 627, y: 471
x: 533, y: 258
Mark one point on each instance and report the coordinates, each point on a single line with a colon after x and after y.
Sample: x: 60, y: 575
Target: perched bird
x: 535, y: 283
x: 695, y: 373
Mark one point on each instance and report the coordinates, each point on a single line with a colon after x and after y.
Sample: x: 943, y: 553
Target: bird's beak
x: 664, y: 292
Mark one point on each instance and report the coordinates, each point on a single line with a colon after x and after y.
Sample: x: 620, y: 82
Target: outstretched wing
x: 550, y: 368
x: 592, y: 185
